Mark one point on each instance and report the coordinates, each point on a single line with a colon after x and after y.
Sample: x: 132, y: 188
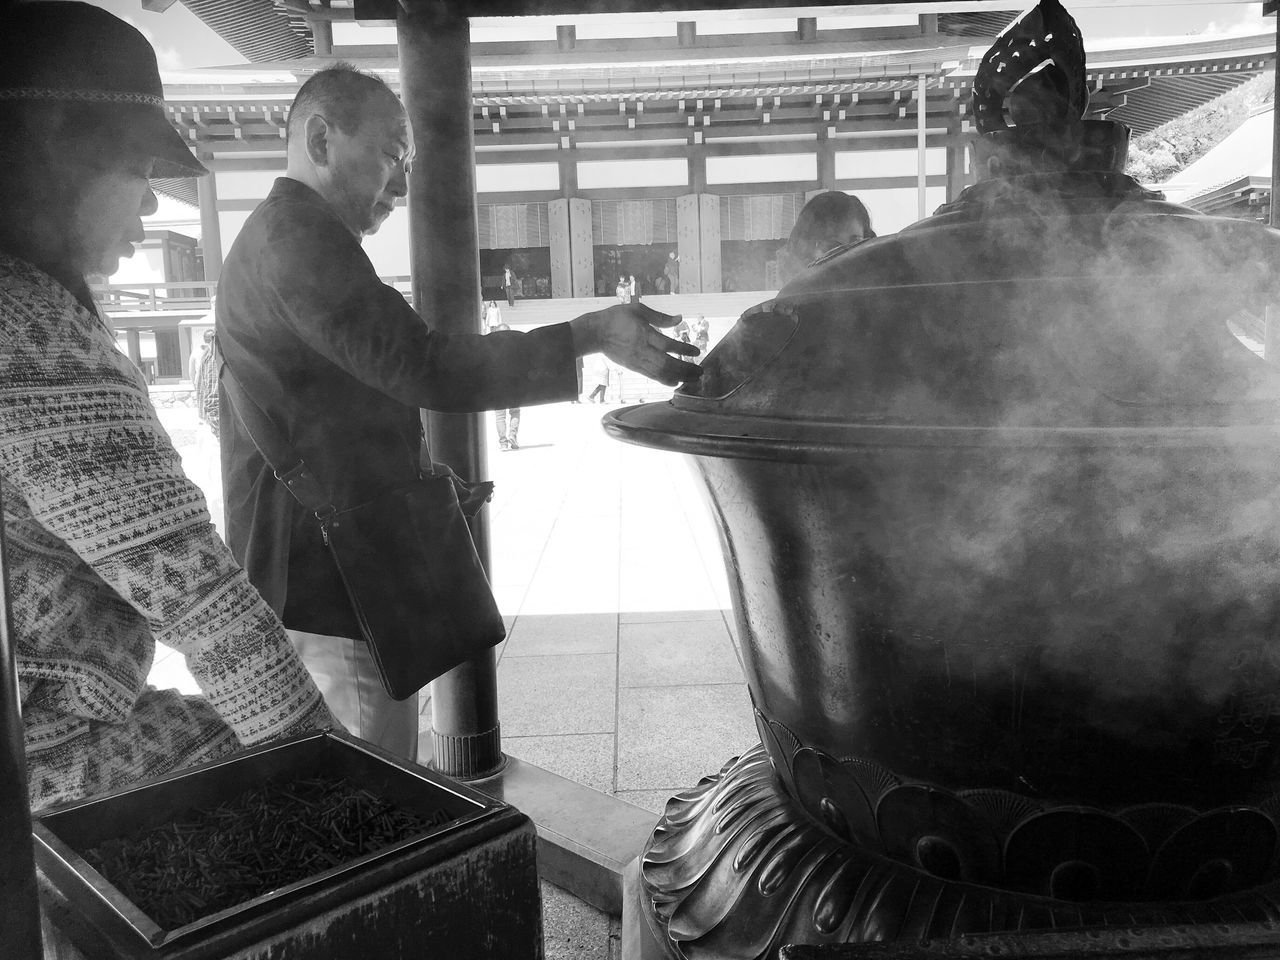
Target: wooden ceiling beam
x: 383, y: 11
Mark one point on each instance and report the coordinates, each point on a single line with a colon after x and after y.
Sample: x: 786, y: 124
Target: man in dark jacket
x: 341, y: 364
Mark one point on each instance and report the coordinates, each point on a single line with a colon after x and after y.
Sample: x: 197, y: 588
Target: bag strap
x: 274, y: 447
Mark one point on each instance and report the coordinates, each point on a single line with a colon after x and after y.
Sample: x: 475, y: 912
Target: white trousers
x: 344, y: 671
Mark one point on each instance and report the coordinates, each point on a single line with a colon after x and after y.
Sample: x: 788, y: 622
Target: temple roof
x: 261, y: 30
x: 1243, y: 158
x: 823, y: 78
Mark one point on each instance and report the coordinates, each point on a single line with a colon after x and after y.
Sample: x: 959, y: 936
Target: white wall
x: 851, y: 164
x: 893, y: 209
x: 496, y: 177
x: 229, y: 224
x: 389, y: 247
x: 597, y: 174
x: 766, y: 168
x: 145, y: 266
x: 245, y: 184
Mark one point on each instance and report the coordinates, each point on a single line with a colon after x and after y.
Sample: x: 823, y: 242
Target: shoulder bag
x: 406, y: 558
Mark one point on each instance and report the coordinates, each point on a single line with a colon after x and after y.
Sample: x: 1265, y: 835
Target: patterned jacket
x: 109, y: 545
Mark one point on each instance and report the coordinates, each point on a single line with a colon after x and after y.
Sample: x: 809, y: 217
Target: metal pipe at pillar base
x: 466, y: 736
x: 468, y: 757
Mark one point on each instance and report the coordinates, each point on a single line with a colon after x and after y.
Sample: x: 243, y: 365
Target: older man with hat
x: 109, y: 546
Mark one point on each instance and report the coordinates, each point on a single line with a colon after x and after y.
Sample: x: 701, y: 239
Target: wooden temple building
x: 603, y: 147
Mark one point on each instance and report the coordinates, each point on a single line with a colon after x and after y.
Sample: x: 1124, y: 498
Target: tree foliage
x: 1166, y: 151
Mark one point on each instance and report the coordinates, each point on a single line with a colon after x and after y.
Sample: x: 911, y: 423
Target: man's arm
x: 328, y: 291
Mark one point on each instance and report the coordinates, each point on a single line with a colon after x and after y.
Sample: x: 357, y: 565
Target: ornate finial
x: 1037, y: 65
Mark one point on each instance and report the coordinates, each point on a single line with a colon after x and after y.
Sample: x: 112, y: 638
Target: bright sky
x: 180, y: 38
x: 182, y: 41
x: 1169, y: 21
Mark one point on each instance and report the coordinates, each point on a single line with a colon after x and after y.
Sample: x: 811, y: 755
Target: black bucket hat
x: 70, y: 52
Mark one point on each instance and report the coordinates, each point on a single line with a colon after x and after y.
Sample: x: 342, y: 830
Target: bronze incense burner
x: 999, y: 499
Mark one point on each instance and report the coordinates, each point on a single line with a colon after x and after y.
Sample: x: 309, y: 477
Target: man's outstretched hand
x: 625, y: 334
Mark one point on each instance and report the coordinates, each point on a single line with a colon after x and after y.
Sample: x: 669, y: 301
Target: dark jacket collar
x: 291, y: 189
x: 297, y: 190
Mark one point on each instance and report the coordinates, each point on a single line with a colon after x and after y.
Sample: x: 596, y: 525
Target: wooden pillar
x: 170, y: 360
x: 689, y: 243
x: 562, y: 233
x: 956, y: 180
x: 697, y: 164
x: 567, y: 159
x: 435, y: 81
x: 210, y: 228
x: 582, y: 248
x: 133, y: 347
x: 186, y: 346
x: 709, y: 242
x: 561, y: 249
x: 322, y: 34
x: 826, y: 161
x: 921, y: 119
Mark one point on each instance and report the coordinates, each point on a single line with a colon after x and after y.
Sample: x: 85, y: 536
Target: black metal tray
x: 61, y: 833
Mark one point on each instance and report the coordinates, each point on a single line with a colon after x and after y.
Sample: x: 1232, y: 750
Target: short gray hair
x: 338, y: 93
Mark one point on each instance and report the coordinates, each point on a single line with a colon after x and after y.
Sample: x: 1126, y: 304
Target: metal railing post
x: 19, y: 904
x: 1275, y: 131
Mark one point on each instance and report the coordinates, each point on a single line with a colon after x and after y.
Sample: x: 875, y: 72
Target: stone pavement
x: 620, y: 670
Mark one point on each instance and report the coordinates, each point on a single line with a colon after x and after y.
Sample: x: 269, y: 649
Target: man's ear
x: 317, y: 140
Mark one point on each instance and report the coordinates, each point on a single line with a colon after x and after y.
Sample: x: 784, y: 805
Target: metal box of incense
x: 462, y: 884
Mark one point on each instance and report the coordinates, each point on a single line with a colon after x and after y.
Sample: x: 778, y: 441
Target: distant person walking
x: 205, y: 382
x: 204, y: 466
x: 624, y: 291
x: 198, y: 354
x: 492, y: 316
x: 701, y: 333
x: 508, y: 418
x: 200, y: 349
x: 599, y: 371
x: 509, y: 284
x: 632, y: 290
x: 671, y: 270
